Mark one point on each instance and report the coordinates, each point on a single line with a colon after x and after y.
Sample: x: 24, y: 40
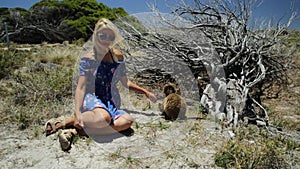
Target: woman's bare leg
x: 97, y: 122
x: 122, y: 123
x: 96, y: 118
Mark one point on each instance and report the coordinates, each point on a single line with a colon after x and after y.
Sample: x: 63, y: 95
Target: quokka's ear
x: 178, y: 91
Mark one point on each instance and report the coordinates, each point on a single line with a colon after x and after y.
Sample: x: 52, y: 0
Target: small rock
x: 261, y: 123
x: 231, y: 134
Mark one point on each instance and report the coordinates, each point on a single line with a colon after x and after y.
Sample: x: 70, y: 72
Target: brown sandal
x: 66, y: 138
x: 52, y: 122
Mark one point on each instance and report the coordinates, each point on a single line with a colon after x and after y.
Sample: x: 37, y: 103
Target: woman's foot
x: 54, y: 124
x: 49, y: 130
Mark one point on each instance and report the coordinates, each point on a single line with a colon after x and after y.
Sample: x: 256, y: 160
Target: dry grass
x: 39, y: 86
x: 285, y: 109
x: 256, y: 148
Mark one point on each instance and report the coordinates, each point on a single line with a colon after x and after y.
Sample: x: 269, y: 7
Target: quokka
x: 173, y: 106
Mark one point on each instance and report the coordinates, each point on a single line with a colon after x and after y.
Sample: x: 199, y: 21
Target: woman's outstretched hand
x: 151, y: 96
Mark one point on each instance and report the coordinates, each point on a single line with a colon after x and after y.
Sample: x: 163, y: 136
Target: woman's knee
x: 126, y: 119
x: 102, y: 115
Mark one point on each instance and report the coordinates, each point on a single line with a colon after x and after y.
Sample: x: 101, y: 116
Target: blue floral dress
x: 101, y: 90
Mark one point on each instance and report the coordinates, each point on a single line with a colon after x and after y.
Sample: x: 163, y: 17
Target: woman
x: 97, y: 99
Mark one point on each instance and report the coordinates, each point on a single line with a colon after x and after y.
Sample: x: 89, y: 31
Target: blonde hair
x: 107, y: 24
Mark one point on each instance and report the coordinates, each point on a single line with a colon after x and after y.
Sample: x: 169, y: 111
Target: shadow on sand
x: 106, y: 138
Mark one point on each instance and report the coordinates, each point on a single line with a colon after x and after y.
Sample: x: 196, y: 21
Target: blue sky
x: 270, y: 9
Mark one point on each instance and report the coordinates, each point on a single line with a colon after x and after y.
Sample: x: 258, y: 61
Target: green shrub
x: 10, y: 60
x: 33, y: 114
x: 47, y: 84
x: 255, y: 149
x: 38, y: 95
x: 38, y: 84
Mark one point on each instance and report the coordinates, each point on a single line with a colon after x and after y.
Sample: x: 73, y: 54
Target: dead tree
x: 240, y: 61
x: 250, y: 58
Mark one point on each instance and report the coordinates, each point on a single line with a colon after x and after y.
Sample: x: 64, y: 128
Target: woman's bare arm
x: 132, y: 86
x: 79, y: 96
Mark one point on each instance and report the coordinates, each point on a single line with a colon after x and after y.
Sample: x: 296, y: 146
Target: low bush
x: 10, y: 60
x: 39, y: 85
x: 255, y: 148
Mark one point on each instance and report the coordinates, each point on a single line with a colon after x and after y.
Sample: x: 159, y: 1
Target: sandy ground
x: 156, y: 143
